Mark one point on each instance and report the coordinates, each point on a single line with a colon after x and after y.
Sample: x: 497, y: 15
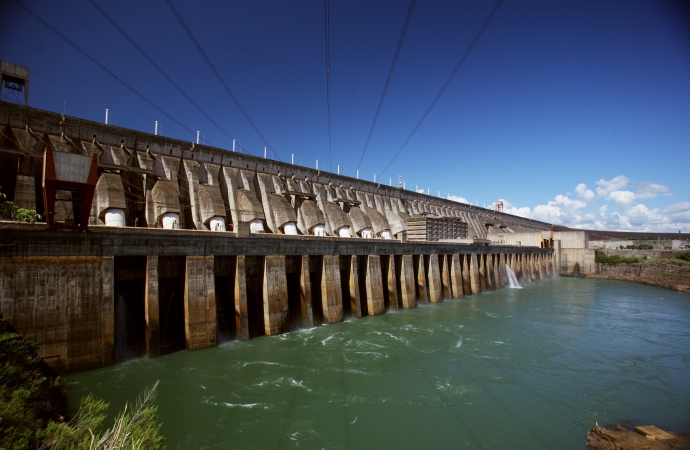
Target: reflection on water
x: 530, y: 368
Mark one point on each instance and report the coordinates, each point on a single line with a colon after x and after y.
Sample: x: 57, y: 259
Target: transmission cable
x: 327, y: 27
x: 448, y: 80
x: 157, y: 67
x: 217, y: 74
x: 410, y: 10
x: 101, y: 66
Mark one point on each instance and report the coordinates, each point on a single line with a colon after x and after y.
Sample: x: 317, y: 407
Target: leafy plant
x: 684, y: 256
x: 10, y: 210
x: 33, y: 402
x: 136, y: 427
x: 30, y: 396
x: 615, y: 259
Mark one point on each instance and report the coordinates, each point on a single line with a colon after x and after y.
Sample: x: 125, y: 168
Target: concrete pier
x: 184, y: 286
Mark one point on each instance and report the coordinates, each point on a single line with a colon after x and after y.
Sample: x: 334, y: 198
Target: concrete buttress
x: 407, y: 291
x: 434, y: 277
x: 152, y: 308
x: 108, y: 310
x: 241, y: 311
x: 355, y: 297
x: 374, y: 285
x: 275, y: 296
x: 502, y: 273
x: 475, y: 277
x: 331, y: 293
x: 305, y: 293
x: 422, y: 287
x: 456, y: 276
x: 466, y: 284
x: 199, y: 303
x: 444, y: 265
x: 393, y: 294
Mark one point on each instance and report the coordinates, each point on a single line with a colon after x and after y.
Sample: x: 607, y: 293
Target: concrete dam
x: 152, y: 245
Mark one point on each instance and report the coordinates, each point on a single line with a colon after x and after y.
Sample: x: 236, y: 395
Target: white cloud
x: 624, y: 197
x: 626, y: 212
x: 455, y: 198
x: 584, y: 193
x: 648, y: 189
x: 614, y: 184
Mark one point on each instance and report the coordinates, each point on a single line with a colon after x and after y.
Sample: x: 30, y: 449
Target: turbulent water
x: 522, y: 369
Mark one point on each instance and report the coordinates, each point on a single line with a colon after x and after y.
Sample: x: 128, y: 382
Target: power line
x: 217, y: 74
x: 410, y: 10
x: 156, y: 66
x: 448, y: 80
x: 327, y: 27
x: 354, y: 78
x: 101, y: 66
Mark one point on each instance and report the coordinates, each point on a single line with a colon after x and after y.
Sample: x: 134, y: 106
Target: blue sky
x: 572, y: 112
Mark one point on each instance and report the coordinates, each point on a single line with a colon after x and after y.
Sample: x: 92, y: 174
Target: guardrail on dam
x: 189, y: 244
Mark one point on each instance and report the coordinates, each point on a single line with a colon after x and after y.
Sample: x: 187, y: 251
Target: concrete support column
x: 518, y: 267
x: 466, y: 284
x: 537, y: 263
x: 422, y: 284
x: 489, y: 274
x: 305, y: 293
x: 331, y: 293
x: 557, y: 257
x: 393, y: 295
x: 502, y: 273
x: 533, y: 267
x: 241, y: 311
x: 374, y: 285
x: 434, y: 279
x: 455, y: 276
x: 275, y: 296
x: 475, y: 274
x: 151, y: 308
x: 355, y: 296
x: 199, y: 303
x: 524, y: 269
x: 108, y: 310
x: 406, y: 278
x: 497, y: 272
x: 444, y: 264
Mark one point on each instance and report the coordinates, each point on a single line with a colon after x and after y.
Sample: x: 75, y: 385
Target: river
x: 530, y: 368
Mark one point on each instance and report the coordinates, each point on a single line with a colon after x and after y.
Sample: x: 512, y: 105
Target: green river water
x: 530, y: 368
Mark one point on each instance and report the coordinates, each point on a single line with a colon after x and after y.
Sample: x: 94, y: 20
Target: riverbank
x: 621, y: 438
x: 665, y: 274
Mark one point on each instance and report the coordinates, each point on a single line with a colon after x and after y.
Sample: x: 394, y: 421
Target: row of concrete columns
x: 372, y: 283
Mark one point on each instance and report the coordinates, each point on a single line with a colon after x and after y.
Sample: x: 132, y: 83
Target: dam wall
x: 92, y: 299
x: 151, y: 181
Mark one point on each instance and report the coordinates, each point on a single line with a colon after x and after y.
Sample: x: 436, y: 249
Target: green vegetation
x: 615, y: 259
x: 33, y: 404
x: 11, y: 211
x: 685, y: 256
x: 30, y: 397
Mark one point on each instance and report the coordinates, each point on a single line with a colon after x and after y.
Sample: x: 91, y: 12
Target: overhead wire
x: 251, y: 61
x: 448, y: 80
x: 215, y: 71
x: 354, y: 78
x: 327, y: 28
x: 101, y: 66
x: 401, y: 39
x: 157, y: 67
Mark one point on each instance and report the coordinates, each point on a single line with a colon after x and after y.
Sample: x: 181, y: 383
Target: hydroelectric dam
x: 150, y: 245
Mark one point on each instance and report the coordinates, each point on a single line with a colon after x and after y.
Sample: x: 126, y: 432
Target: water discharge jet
x: 512, y: 279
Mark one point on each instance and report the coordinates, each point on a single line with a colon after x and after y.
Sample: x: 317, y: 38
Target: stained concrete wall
x: 169, y: 175
x: 66, y: 303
